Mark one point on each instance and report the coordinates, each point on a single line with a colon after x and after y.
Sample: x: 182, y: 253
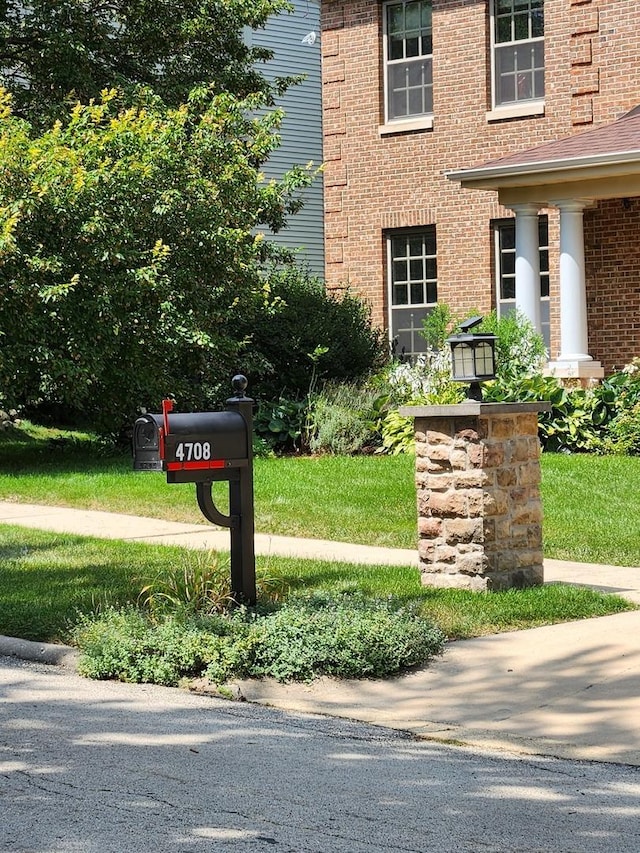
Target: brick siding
x: 374, y: 182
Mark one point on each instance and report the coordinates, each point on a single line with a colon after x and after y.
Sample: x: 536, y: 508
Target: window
x: 518, y: 51
x: 413, y: 287
x: 505, y: 241
x: 408, y: 61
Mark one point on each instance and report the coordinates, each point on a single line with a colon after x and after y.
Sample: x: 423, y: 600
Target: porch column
x: 528, y: 263
x: 574, y: 358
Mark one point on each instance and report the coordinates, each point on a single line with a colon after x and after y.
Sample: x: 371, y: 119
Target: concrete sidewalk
x: 569, y: 690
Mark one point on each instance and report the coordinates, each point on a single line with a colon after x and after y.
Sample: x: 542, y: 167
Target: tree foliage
x: 128, y: 249
x: 53, y: 53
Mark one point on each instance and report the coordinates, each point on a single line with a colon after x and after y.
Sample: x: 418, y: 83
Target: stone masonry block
x: 501, y: 427
x: 463, y: 530
x: 449, y: 504
x: 436, y: 437
x: 459, y: 460
x: 529, y: 474
x: 493, y: 455
x: 429, y: 528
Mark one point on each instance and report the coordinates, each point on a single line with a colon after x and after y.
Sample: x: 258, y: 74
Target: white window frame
x: 412, y: 121
x: 423, y: 307
x: 506, y: 305
x: 517, y: 107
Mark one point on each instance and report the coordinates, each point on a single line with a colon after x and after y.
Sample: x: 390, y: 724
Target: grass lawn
x: 591, y: 503
x: 591, y: 514
x: 48, y: 579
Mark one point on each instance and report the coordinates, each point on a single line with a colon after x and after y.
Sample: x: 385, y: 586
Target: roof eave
x: 548, y: 172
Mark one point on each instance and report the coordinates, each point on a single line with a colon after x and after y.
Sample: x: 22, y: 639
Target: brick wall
x: 377, y: 182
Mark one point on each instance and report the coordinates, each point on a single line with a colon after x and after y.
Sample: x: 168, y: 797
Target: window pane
x: 427, y: 45
x: 417, y: 294
x: 537, y: 24
x: 413, y: 15
x: 504, y: 6
x: 400, y: 271
x: 416, y: 268
x: 521, y: 27
x: 398, y: 247
x: 414, y: 245
x: 508, y: 236
x: 525, y: 88
x: 414, y: 76
x: 544, y: 285
x: 396, y: 48
x: 400, y: 294
x: 412, y: 45
x: 506, y: 58
x: 543, y: 231
x: 426, y: 16
x: 431, y: 268
x: 507, y: 288
x: 538, y: 84
x: 432, y: 292
x: 503, y: 29
x: 509, y: 263
x: 395, y: 19
x: 416, y: 103
x: 544, y: 260
x: 430, y: 242
x: 506, y: 90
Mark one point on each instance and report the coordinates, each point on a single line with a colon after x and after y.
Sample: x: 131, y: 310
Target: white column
x: 573, y: 292
x: 528, y: 263
x: 574, y: 358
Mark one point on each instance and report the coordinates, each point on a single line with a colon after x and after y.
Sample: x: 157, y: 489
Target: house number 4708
x: 193, y: 451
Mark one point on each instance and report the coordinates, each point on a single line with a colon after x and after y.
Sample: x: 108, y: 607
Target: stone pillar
x: 528, y: 263
x: 478, y: 495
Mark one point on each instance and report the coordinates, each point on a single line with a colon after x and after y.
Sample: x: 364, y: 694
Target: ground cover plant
x: 313, y: 617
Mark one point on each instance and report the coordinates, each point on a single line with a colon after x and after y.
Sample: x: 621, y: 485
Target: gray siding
x: 301, y: 130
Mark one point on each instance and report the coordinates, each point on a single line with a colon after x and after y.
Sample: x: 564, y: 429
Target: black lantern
x: 473, y: 357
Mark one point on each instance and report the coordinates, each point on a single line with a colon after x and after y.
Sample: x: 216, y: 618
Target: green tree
x: 53, y: 53
x: 129, y: 247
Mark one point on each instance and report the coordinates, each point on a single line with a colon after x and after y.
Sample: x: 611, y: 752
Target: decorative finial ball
x: 239, y: 384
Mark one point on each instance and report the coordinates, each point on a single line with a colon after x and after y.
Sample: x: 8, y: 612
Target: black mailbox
x: 195, y: 445
x: 204, y: 448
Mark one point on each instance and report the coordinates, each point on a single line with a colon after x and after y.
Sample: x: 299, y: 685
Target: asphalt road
x: 94, y: 766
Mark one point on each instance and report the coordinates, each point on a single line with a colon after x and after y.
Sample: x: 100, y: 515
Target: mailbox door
x: 147, y: 444
x: 205, y: 446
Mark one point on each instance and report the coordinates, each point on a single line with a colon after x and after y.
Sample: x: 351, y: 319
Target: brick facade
x: 377, y: 182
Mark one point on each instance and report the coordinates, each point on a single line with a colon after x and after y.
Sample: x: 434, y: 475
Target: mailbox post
x: 205, y: 448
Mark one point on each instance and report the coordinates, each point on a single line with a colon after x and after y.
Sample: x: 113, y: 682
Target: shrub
x: 520, y: 350
x: 281, y: 423
x: 344, y: 419
x: 304, y: 335
x: 348, y: 636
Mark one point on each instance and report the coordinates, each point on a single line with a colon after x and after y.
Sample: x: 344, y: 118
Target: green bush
x: 624, y: 432
x: 344, y: 419
x: 305, y: 335
x: 282, y: 423
x: 520, y: 350
x: 348, y: 636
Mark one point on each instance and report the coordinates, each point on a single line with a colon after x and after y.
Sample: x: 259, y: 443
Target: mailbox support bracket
x: 204, y: 494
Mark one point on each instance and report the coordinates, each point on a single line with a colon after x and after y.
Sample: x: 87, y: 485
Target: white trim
x: 519, y: 110
x: 549, y: 166
x: 385, y: 75
x: 498, y: 111
x: 406, y: 125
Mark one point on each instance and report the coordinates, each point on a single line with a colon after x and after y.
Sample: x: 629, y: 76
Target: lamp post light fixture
x: 473, y: 357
